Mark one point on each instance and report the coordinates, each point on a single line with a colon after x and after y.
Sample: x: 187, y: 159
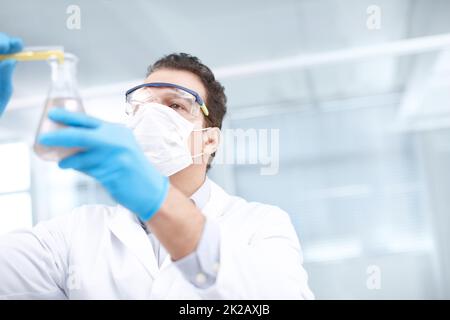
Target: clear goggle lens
x: 182, y: 102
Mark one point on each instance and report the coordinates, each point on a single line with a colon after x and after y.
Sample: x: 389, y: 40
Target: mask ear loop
x: 202, y: 153
x: 202, y: 129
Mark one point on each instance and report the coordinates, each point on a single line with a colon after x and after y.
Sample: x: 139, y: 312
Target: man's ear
x: 211, y: 140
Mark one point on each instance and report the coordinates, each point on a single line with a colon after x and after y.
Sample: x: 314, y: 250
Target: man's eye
x: 178, y: 107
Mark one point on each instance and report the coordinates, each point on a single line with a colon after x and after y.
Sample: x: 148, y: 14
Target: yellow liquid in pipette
x: 34, y: 55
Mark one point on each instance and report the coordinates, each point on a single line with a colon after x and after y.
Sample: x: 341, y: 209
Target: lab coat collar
x: 216, y: 206
x: 200, y: 199
x: 202, y: 195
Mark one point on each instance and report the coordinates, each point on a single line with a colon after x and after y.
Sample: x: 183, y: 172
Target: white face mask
x: 163, y: 135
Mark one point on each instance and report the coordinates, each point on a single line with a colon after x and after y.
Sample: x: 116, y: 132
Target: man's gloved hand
x: 8, y: 45
x: 111, y: 155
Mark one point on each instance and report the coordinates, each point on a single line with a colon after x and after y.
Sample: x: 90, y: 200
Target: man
x: 175, y: 234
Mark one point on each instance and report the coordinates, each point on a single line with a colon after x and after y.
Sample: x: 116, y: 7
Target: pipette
x: 36, y: 53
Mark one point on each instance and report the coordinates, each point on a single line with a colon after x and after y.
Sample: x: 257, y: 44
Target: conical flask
x: 63, y: 93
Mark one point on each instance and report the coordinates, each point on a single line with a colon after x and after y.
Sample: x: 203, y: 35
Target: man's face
x: 185, y: 79
x: 190, y: 81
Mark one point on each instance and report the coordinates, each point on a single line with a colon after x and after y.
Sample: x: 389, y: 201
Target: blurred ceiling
x: 119, y: 39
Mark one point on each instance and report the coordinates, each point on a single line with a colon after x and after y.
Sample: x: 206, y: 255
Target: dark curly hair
x: 216, y: 99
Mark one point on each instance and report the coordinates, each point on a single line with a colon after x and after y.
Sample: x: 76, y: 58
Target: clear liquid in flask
x: 63, y: 93
x: 46, y: 125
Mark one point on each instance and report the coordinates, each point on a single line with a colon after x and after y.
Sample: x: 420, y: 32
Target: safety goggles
x: 183, y: 100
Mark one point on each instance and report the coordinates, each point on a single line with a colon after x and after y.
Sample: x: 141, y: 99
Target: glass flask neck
x: 63, y: 76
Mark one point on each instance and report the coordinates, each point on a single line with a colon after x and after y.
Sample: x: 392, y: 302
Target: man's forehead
x: 179, y: 77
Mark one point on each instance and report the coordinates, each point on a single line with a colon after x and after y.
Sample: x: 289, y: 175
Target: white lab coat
x: 101, y: 252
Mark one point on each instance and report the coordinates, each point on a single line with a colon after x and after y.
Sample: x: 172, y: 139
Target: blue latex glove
x: 111, y: 155
x: 7, y: 45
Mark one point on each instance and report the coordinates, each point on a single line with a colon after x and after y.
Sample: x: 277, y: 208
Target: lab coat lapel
x: 216, y: 205
x: 126, y: 228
